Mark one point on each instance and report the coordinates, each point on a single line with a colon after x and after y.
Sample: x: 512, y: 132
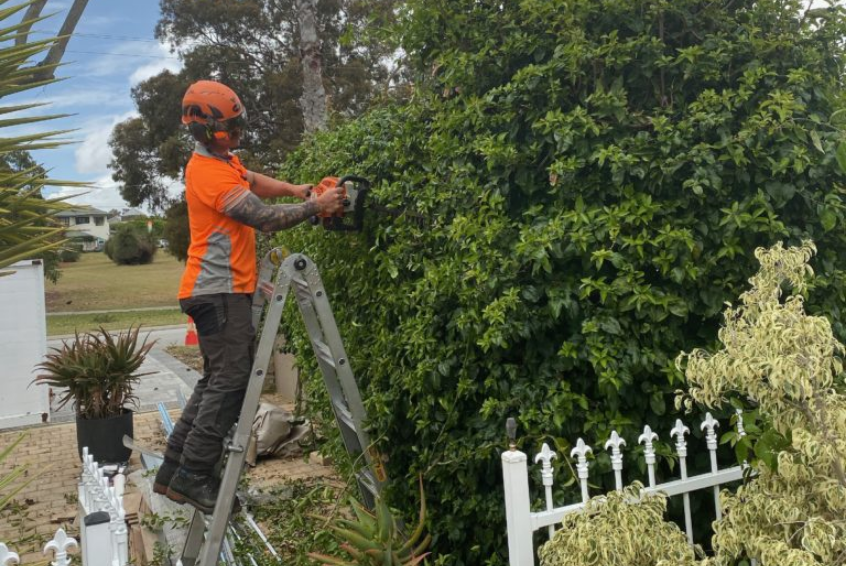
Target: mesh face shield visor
x: 236, y: 126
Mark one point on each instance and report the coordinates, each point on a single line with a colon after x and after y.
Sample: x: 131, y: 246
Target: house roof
x: 82, y: 211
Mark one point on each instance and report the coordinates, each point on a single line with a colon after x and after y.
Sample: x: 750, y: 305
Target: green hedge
x: 130, y: 244
x: 584, y: 185
x: 177, y: 231
x: 71, y: 252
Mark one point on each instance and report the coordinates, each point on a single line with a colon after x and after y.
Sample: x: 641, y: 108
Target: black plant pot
x: 104, y: 437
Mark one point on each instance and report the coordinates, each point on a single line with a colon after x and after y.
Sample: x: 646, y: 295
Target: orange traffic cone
x: 191, y: 335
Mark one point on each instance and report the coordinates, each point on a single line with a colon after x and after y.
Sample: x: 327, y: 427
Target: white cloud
x: 153, y: 68
x: 93, y: 21
x: 93, y: 154
x: 70, y: 100
x: 138, y: 60
x: 175, y: 188
x: 103, y: 194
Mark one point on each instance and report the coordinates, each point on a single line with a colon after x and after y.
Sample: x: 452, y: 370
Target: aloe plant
x: 27, y: 227
x: 96, y: 370
x: 374, y: 539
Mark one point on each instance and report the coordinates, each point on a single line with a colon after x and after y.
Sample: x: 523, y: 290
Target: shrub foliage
x: 624, y: 528
x: 130, y: 245
x: 789, y: 365
x: 568, y: 198
x: 176, y: 230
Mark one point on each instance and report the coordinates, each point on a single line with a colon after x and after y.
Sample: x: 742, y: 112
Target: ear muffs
x: 211, y: 130
x: 200, y: 132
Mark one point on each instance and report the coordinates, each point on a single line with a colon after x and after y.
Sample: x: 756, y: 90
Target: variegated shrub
x: 789, y: 364
x: 793, y: 513
x: 613, y: 532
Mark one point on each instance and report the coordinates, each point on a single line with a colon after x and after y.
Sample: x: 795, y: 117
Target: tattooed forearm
x: 250, y: 210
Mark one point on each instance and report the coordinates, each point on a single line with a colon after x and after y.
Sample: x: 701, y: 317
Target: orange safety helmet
x: 212, y: 110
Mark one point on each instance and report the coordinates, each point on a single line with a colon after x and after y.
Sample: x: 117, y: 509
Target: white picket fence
x: 59, y: 546
x: 523, y: 522
x: 102, y: 519
x: 102, y: 523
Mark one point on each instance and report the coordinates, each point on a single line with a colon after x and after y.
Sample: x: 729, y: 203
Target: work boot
x: 197, y: 489
x: 164, y: 475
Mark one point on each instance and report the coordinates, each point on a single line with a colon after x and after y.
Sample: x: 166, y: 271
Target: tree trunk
x: 57, y: 50
x: 313, y: 100
x: 33, y: 12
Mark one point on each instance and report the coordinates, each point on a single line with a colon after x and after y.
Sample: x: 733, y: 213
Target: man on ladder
x: 224, y: 209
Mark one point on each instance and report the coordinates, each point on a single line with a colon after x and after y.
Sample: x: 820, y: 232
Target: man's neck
x: 211, y: 151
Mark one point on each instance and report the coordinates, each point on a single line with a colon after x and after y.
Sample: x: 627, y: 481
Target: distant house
x: 88, y: 225
x: 125, y: 215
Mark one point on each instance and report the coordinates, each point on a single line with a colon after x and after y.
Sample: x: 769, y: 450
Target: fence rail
x: 522, y: 522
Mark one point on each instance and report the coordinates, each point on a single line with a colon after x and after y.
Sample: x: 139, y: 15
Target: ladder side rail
x: 240, y: 441
x: 343, y: 368
x: 315, y: 332
x: 372, y: 478
x: 193, y: 540
x: 350, y: 436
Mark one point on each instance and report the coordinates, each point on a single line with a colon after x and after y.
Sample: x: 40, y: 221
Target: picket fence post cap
x: 647, y: 437
x: 60, y: 545
x: 545, y: 455
x: 615, y: 441
x: 7, y: 557
x: 710, y: 423
x: 581, y: 450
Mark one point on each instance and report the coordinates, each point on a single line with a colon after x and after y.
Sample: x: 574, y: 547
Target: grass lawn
x: 97, y: 283
x: 67, y: 324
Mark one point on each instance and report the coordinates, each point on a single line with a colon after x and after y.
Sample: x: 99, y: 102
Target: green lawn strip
x: 67, y: 324
x: 97, y: 283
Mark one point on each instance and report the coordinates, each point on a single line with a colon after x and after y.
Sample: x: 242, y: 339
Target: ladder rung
x: 324, y: 353
x: 344, y: 414
x: 365, y: 477
x: 266, y: 288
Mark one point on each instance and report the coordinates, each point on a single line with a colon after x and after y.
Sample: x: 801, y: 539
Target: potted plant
x: 98, y: 372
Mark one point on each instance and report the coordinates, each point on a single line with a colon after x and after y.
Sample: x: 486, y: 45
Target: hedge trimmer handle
x: 355, y: 189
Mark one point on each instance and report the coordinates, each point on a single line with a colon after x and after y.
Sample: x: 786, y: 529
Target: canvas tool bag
x: 274, y: 433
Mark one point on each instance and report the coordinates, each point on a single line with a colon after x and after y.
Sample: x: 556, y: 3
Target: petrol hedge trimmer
x: 351, y: 217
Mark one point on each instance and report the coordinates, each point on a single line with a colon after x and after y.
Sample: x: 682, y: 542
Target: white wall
x: 92, y: 228
x: 23, y: 344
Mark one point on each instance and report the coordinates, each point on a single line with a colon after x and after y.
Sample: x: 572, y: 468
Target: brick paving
x: 50, y: 501
x: 50, y: 452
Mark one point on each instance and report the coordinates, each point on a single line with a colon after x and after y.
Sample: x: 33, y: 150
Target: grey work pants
x: 226, y: 336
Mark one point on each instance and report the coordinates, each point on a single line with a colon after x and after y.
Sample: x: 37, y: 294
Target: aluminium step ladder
x: 206, y: 534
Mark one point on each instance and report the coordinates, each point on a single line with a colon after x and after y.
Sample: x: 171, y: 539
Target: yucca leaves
x: 96, y: 370
x: 26, y: 225
x: 374, y: 539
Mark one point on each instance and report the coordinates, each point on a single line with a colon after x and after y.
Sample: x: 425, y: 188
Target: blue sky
x: 112, y: 50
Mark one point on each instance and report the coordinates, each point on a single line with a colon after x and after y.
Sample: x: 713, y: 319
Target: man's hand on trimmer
x: 331, y: 201
x: 302, y: 192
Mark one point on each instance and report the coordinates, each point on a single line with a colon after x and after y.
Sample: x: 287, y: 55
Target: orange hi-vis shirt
x: 222, y: 254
